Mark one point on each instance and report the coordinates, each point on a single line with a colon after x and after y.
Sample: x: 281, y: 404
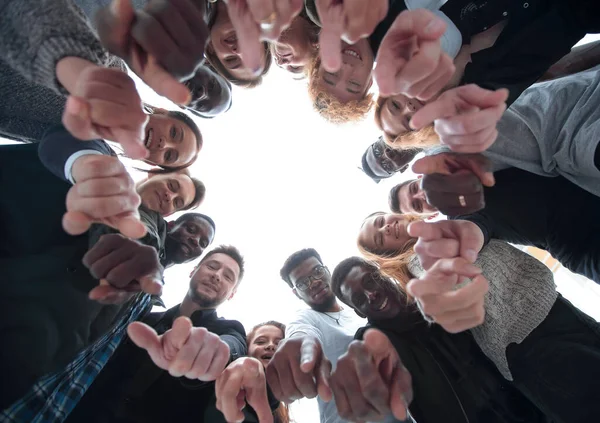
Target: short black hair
x: 190, y: 216
x: 393, y: 201
x: 294, y: 260
x: 367, y: 169
x: 340, y: 273
x: 230, y: 251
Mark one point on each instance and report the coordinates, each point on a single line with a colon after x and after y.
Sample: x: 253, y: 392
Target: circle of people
x: 438, y: 321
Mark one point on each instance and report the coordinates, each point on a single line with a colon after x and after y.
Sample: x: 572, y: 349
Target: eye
x: 191, y: 229
x: 204, y: 243
x: 169, y: 156
x: 395, y: 105
x: 173, y: 132
x: 179, y: 203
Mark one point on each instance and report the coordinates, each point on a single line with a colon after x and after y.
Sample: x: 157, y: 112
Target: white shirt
x: 334, y: 339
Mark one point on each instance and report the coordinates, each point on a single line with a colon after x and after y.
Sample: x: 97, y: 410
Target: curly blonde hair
x: 328, y: 105
x: 423, y: 138
x: 394, y: 264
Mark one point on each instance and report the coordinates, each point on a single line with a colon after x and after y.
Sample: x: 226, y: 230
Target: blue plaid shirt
x: 53, y: 397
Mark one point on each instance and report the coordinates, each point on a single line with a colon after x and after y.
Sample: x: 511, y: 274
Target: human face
x: 167, y: 194
x: 411, y: 198
x: 354, y: 78
x: 189, y: 239
x: 370, y: 294
x: 384, y: 161
x: 224, y: 43
x: 170, y: 142
x: 210, y: 93
x: 214, y: 281
x: 396, y: 113
x: 293, y: 50
x: 264, y: 343
x: 318, y: 295
x: 384, y: 233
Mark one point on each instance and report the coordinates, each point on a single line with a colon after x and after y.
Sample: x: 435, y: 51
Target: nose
x: 216, y: 277
x: 386, y: 229
x: 194, y: 241
x: 162, y: 142
x: 270, y: 346
x: 370, y: 296
x: 420, y: 195
x: 411, y: 106
x: 168, y: 195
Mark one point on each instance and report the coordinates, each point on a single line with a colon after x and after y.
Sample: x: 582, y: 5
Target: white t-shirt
x: 334, y: 338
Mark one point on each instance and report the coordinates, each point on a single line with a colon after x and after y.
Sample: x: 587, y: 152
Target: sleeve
x: 304, y: 325
x: 233, y: 334
x: 36, y: 34
x: 58, y: 150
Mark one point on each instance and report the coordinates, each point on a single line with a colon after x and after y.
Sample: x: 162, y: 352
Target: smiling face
x: 214, y: 281
x: 384, y: 233
x: 188, y: 240
x: 370, y: 294
x: 396, y: 113
x: 354, y: 78
x: 167, y: 194
x: 293, y: 49
x: 384, y: 161
x: 412, y: 199
x: 224, y: 43
x: 316, y: 293
x: 169, y: 141
x: 264, y: 343
x: 211, y: 95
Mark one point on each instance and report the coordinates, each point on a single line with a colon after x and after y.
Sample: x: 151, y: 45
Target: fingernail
x: 114, y: 7
x: 471, y: 255
x: 434, y: 26
x: 473, y: 269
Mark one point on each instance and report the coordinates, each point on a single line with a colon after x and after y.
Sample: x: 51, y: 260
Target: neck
x: 334, y: 308
x: 188, y: 307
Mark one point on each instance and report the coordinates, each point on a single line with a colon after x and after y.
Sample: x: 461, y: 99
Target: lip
x: 397, y: 229
x: 352, y: 52
x: 382, y: 306
x: 319, y: 294
x: 186, y: 249
x: 149, y: 139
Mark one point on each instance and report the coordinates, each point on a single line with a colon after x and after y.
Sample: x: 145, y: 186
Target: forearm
x: 35, y: 35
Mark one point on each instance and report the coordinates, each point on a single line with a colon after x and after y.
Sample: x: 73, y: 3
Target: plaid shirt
x: 53, y: 397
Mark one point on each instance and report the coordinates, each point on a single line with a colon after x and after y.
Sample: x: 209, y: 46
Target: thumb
x: 164, y: 83
x: 482, y: 98
x: 151, y: 284
x: 428, y: 165
x: 310, y: 355
x: 76, y: 223
x: 77, y: 119
x: 131, y: 226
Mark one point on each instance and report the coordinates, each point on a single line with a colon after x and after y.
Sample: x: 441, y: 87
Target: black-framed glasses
x: 381, y: 155
x: 317, y: 274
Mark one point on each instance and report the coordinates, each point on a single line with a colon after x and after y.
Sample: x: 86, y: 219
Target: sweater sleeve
x: 488, y: 227
x: 36, y: 34
x: 58, y: 150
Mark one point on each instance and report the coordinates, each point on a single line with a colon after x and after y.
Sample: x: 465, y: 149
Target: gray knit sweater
x: 521, y: 294
x: 34, y: 36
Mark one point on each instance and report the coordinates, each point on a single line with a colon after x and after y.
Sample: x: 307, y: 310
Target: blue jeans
x: 558, y: 365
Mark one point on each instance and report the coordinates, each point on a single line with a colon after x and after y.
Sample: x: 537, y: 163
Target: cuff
x: 71, y: 161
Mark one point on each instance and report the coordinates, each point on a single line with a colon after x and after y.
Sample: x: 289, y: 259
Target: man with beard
x: 314, y: 339
x: 381, y: 161
x: 188, y: 346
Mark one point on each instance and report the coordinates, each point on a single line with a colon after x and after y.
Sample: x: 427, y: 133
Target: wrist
x: 68, y: 70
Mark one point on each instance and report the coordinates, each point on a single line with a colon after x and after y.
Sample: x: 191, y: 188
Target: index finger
x: 174, y: 339
x: 248, y: 36
x: 373, y: 387
x: 157, y: 78
x: 425, y: 231
x: 438, y: 109
x: 330, y: 38
x: 256, y: 397
x: 309, y: 355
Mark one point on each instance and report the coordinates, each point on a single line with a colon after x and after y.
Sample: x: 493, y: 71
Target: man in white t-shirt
x: 322, y: 333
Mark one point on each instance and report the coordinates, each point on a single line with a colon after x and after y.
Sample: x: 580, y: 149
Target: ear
x: 232, y: 294
x: 296, y: 293
x: 419, y: 176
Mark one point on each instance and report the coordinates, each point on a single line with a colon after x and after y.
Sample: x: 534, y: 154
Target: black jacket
x: 132, y: 389
x: 45, y: 314
x: 550, y: 213
x: 452, y: 379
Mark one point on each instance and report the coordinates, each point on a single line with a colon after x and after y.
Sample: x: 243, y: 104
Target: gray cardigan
x: 521, y: 294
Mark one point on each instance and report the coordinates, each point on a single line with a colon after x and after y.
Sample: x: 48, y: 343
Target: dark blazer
x: 45, y: 315
x: 132, y: 389
x: 452, y: 379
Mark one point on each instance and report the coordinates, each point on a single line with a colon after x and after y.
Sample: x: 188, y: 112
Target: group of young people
x: 437, y: 321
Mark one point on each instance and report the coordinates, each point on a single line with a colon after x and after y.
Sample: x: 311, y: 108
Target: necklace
x: 336, y: 319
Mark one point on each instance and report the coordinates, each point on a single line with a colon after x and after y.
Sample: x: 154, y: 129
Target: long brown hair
x: 394, y: 264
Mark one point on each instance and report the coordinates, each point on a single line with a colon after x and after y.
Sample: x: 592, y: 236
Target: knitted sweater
x: 521, y: 294
x: 34, y: 36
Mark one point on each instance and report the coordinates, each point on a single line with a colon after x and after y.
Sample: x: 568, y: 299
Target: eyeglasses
x: 318, y: 273
x: 381, y: 154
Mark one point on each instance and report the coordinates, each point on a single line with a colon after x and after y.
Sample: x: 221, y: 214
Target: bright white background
x: 280, y: 179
